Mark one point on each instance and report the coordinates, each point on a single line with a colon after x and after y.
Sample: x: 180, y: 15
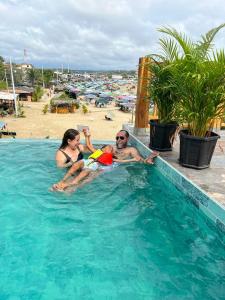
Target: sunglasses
x: 120, y: 137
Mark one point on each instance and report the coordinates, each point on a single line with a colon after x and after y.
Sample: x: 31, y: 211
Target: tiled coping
x: 212, y: 209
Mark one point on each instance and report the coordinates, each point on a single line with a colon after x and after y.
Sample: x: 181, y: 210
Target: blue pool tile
x: 194, y: 201
x: 208, y: 213
x: 198, y: 197
x: 217, y: 209
x: 220, y: 225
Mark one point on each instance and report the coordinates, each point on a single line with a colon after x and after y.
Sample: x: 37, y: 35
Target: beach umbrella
x: 91, y: 96
x: 129, y: 97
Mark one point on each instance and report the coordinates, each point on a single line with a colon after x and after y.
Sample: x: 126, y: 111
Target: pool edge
x: 209, y: 206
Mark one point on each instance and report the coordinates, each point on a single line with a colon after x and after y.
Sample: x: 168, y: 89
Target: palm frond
x: 219, y: 56
x: 183, y: 41
x: 170, y: 49
x: 205, y: 44
x: 157, y: 58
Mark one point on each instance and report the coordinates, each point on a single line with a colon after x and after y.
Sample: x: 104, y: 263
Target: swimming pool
x: 128, y: 234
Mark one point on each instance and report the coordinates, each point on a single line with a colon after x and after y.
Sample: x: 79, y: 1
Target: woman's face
x: 75, y: 142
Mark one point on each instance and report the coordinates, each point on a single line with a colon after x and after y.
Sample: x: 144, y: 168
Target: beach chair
x: 2, y: 125
x: 109, y: 116
x: 4, y: 131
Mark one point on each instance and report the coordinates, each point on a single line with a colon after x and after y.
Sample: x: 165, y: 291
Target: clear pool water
x: 129, y: 234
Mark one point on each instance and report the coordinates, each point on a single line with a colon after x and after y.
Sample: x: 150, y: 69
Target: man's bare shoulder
x: 131, y: 149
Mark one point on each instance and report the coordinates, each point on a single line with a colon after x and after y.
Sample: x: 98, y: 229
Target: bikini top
x: 68, y: 158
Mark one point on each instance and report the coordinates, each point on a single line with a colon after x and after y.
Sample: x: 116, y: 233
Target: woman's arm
x: 88, y: 142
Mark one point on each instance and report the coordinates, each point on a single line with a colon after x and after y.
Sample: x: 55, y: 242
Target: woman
x: 70, y: 150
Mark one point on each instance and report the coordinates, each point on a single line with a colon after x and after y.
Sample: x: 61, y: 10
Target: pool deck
x: 210, y: 180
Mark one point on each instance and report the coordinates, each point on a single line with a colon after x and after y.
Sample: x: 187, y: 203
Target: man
x: 122, y: 151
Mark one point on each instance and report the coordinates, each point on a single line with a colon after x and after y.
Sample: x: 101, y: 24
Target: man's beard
x: 121, y: 146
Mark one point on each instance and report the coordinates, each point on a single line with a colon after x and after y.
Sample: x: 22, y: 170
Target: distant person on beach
x: 71, y: 150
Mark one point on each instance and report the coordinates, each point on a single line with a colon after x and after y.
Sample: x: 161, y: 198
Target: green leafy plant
x: 20, y: 111
x: 77, y: 105
x: 37, y: 94
x: 21, y: 114
x: 34, y: 76
x: 3, y: 85
x: 197, y: 77
x: 62, y: 96
x: 45, y: 109
x: 84, y: 109
x: 3, y: 113
x: 162, y: 92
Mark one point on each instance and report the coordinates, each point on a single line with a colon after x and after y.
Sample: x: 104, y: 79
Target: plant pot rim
x: 184, y: 133
x: 156, y: 122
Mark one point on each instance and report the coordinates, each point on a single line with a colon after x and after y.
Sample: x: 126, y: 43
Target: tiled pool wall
x: 213, y: 210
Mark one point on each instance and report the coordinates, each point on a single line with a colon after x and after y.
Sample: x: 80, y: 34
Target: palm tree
x: 197, y: 76
x: 48, y: 76
x: 2, y: 69
x: 161, y: 91
x: 37, y: 94
x: 33, y: 76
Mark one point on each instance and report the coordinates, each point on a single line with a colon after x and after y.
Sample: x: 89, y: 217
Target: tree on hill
x: 48, y: 76
x: 33, y: 75
x: 3, y: 85
x: 2, y: 69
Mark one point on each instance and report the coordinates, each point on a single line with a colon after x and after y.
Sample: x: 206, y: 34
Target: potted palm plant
x: 162, y: 131
x: 198, y: 77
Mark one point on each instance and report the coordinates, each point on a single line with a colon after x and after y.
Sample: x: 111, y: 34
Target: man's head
x: 122, y: 139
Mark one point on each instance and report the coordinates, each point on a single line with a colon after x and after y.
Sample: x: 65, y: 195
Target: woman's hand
x: 86, y: 132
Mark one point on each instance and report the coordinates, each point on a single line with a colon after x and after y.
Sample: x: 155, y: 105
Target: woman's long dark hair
x: 70, y: 134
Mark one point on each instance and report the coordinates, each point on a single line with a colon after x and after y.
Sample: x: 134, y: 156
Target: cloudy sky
x: 98, y: 34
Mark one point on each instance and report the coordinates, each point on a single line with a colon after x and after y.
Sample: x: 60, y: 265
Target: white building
x: 117, y: 77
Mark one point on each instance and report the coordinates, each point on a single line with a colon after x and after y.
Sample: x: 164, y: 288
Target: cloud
x: 98, y: 34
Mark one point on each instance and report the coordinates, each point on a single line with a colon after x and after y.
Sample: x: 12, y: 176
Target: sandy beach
x: 52, y: 125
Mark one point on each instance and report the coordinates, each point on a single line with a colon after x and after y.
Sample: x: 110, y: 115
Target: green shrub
x: 3, y: 85
x: 84, y: 109
x: 20, y: 111
x: 37, y: 94
x: 198, y: 78
x: 45, y: 109
x: 77, y: 105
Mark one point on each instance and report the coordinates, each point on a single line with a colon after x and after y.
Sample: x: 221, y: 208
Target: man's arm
x: 149, y: 160
x: 125, y: 160
x: 135, y: 154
